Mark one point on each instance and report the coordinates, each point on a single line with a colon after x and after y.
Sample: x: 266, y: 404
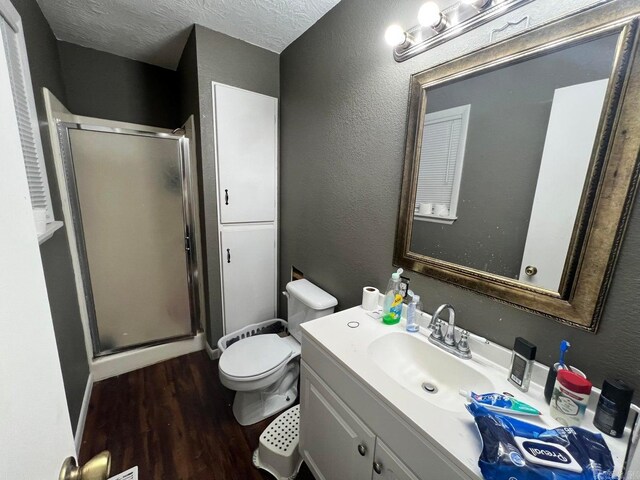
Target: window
x: 24, y: 104
x: 443, y: 144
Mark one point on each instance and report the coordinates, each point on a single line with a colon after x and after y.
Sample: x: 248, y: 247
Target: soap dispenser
x: 412, y: 312
x: 392, y: 310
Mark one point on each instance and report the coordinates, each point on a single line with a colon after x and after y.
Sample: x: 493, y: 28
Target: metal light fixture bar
x: 419, y: 44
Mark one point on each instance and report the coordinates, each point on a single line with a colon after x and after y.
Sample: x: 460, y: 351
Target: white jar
x: 570, y: 398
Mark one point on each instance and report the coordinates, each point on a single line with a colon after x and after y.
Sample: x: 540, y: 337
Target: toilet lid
x: 254, y: 356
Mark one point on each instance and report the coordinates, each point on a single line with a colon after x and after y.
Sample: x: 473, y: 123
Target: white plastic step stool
x: 278, y: 449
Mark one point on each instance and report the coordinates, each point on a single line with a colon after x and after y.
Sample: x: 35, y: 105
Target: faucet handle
x: 450, y: 336
x: 433, y: 323
x: 463, y: 344
x: 437, y: 330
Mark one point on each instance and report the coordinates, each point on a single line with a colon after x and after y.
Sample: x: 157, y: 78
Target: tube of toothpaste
x: 500, y: 403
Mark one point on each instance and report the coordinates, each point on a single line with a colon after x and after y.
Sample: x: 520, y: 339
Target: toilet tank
x: 306, y: 302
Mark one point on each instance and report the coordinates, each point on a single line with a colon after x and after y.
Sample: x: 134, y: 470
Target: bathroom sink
x: 431, y: 373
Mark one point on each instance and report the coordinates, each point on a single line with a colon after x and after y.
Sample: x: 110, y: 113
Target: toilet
x: 263, y: 369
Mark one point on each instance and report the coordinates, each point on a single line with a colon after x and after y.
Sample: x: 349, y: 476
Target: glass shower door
x: 130, y: 214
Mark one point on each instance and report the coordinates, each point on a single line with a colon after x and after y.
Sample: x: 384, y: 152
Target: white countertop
x: 453, y: 431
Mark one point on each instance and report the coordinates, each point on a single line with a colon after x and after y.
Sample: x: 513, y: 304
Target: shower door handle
x: 226, y: 196
x: 187, y: 239
x: 228, y: 255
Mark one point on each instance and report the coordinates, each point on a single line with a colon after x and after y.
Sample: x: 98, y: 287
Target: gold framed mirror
x: 521, y: 164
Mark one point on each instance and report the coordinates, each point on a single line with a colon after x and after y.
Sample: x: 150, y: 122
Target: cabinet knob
x: 362, y: 450
x: 531, y: 270
x: 226, y: 196
x: 228, y: 255
x: 377, y: 467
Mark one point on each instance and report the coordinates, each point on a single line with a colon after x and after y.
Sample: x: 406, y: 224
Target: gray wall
x: 508, y: 121
x: 343, y: 121
x: 187, y: 75
x: 99, y: 84
x: 187, y: 72
x: 227, y: 60
x: 56, y: 258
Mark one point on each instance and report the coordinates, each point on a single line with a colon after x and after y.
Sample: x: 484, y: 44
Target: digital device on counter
x: 522, y: 357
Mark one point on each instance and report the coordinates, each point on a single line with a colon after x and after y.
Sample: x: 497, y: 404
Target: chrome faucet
x: 447, y: 341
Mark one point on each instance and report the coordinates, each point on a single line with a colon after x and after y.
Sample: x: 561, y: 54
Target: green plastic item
x: 390, y: 319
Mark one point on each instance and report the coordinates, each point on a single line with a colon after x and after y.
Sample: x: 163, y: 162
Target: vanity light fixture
x: 436, y: 25
x: 479, y: 4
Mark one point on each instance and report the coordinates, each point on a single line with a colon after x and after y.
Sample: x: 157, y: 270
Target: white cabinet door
x: 248, y: 257
x: 246, y: 134
x: 387, y: 466
x: 334, y: 443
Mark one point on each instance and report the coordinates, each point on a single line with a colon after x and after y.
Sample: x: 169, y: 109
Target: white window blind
x: 26, y: 117
x: 441, y: 157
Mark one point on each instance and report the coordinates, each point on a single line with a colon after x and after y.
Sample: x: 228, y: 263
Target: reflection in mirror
x: 503, y: 162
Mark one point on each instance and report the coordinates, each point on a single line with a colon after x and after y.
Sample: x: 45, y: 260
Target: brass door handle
x: 97, y: 468
x: 530, y: 270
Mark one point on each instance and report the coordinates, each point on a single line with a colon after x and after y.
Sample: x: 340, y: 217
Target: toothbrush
x: 564, y: 346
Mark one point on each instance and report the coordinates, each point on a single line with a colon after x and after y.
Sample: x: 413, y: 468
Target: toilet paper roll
x: 370, y: 298
x: 425, y: 208
x: 441, y: 210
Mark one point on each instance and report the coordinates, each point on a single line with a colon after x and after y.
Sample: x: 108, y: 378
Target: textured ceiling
x: 155, y: 31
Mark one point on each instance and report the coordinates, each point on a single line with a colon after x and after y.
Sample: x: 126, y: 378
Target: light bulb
x: 395, y: 35
x: 429, y: 15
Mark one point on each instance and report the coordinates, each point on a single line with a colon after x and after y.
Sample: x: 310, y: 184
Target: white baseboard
x: 214, y: 353
x: 119, y: 363
x: 82, y: 418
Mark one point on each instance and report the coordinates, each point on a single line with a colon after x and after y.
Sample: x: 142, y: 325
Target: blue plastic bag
x: 516, y: 450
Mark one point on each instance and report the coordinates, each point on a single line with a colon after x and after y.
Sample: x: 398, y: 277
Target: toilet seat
x: 254, y: 357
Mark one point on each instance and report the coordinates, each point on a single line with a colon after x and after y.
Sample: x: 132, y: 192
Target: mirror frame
x: 611, y: 181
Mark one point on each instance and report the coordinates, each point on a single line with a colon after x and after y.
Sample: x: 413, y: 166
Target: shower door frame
x: 63, y: 128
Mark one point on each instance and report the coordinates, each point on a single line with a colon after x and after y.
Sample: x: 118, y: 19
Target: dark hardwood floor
x: 174, y: 421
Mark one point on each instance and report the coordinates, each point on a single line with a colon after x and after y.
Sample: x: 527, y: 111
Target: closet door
x: 246, y: 133
x: 573, y: 124
x: 248, y: 257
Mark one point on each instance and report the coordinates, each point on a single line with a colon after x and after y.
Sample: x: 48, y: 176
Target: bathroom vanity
x: 366, y: 412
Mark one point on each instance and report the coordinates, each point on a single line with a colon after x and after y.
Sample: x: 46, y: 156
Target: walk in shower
x: 130, y: 193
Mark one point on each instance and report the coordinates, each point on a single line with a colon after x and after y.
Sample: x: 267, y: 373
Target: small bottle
x: 522, y: 357
x: 412, y: 312
x: 613, y: 407
x: 392, y: 310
